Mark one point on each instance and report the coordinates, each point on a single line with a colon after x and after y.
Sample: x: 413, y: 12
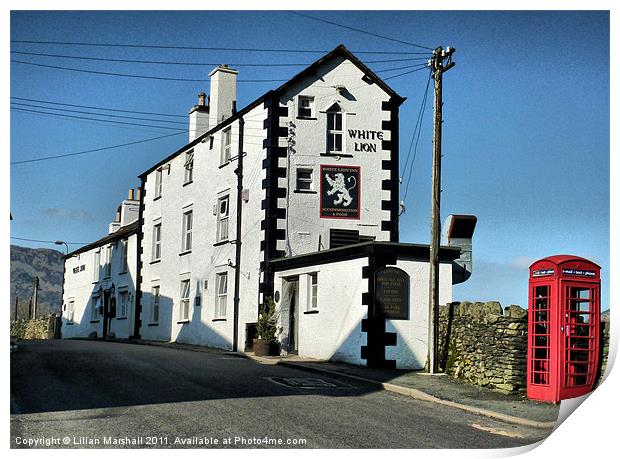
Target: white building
x: 312, y: 169
x: 100, y: 280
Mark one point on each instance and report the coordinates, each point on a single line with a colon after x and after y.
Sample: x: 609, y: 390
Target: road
x: 79, y: 394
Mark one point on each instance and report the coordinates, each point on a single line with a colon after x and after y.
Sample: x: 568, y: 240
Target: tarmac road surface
x: 73, y: 393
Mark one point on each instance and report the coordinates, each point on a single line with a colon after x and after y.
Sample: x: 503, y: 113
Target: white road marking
x: 496, y: 431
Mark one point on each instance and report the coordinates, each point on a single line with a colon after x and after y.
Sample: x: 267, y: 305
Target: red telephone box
x: 563, y: 328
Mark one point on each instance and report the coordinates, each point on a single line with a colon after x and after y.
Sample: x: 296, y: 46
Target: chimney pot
x: 131, y: 194
x: 201, y: 99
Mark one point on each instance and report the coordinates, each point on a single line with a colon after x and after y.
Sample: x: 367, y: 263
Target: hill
x: 27, y: 263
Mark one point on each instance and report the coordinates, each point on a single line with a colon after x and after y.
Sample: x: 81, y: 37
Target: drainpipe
x: 239, y: 172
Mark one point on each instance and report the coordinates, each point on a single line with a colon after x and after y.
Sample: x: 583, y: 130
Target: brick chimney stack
x: 199, y: 118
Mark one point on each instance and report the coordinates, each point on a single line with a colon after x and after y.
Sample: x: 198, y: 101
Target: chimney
x: 198, y: 118
x: 223, y: 95
x: 130, y: 196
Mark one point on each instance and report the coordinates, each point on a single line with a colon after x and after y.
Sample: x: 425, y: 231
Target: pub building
x: 319, y: 201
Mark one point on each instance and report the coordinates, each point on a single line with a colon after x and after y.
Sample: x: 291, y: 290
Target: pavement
x: 439, y: 388
x: 85, y: 393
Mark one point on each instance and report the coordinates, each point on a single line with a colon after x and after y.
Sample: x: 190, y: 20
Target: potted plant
x: 267, y: 330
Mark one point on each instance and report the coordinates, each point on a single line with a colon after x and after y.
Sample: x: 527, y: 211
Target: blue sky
x: 526, y: 120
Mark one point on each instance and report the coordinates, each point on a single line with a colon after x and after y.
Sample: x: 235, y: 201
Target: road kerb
x: 420, y: 395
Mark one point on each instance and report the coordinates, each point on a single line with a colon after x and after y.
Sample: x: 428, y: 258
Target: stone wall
x: 40, y: 328
x: 487, y: 345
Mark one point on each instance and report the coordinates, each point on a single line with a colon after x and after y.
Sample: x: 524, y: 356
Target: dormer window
x: 305, y: 108
x: 334, y: 129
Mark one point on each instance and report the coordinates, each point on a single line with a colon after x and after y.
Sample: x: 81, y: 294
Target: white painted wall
x: 335, y: 331
x: 82, y: 286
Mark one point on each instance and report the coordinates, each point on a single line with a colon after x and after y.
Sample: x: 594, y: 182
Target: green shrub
x: 267, y: 325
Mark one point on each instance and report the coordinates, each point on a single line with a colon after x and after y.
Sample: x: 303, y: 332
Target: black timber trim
x: 403, y: 251
x: 392, y: 185
x: 137, y: 323
x: 273, y: 213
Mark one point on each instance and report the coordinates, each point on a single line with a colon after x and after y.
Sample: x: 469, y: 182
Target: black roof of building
x: 121, y: 233
x: 340, y: 50
x: 401, y: 250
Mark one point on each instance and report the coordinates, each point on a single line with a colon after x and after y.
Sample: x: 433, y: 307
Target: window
x: 305, y: 107
x: 222, y: 219
x: 221, y: 283
x: 70, y: 310
x: 96, y: 304
x: 334, y: 130
x: 96, y: 266
x: 211, y: 143
x: 158, y: 182
x: 312, y: 297
x: 189, y: 166
x: 305, y: 180
x: 108, y: 261
x: 125, y: 246
x: 155, y: 304
x: 157, y: 242
x: 184, y: 309
x: 186, y: 243
x: 226, y: 136
x: 123, y: 300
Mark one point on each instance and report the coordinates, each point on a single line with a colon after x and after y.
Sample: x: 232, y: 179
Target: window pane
x: 330, y: 121
x: 338, y: 139
x: 338, y: 121
x: 542, y: 291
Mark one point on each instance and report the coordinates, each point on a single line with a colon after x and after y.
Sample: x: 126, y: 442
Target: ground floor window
x: 96, y: 304
x: 70, y: 311
x: 155, y: 304
x: 123, y: 300
x: 184, y: 309
x: 313, y: 291
x: 221, y: 283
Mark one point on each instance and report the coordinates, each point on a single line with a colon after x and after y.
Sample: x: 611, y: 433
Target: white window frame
x: 71, y: 310
x: 156, y: 241
x: 122, y: 305
x: 313, y: 291
x: 186, y: 236
x: 94, y: 311
x: 108, y: 262
x: 155, y: 302
x: 222, y: 219
x: 221, y: 295
x: 335, y: 133
x: 226, y: 146
x: 189, y: 167
x: 184, y: 300
x: 96, y: 266
x: 158, y: 182
x: 303, y: 181
x: 124, y: 265
x: 300, y: 106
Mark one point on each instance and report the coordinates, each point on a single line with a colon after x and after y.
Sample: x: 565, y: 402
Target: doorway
x: 290, y: 312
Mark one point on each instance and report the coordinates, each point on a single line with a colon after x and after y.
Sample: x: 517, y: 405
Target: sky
x: 525, y: 134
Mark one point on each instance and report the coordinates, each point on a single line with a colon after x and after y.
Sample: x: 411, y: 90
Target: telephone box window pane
x: 541, y: 316
x: 541, y: 353
x: 579, y: 305
x: 541, y: 329
x: 578, y: 356
x: 542, y: 292
x: 579, y: 343
x: 541, y: 341
x: 583, y: 293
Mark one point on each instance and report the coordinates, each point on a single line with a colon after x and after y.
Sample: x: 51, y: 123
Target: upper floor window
x: 334, y: 129
x: 108, y: 261
x: 125, y: 247
x: 222, y: 218
x: 305, y: 107
x: 305, y: 179
x: 189, y: 167
x: 157, y: 242
x: 158, y: 182
x: 226, y: 142
x: 188, y: 222
x: 96, y: 266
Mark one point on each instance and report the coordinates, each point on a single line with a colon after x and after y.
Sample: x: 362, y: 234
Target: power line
x: 237, y: 64
x: 48, y: 242
x: 203, y: 48
x: 360, y: 30
x: 45, y: 158
x: 405, y: 73
x: 127, y: 75
x: 97, y: 114
x: 96, y: 108
x: 94, y: 119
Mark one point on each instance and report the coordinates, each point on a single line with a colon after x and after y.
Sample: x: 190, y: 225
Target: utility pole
x: 35, y: 296
x: 239, y: 172
x: 16, y: 303
x: 438, y: 68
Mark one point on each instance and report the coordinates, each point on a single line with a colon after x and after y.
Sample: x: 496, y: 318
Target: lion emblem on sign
x: 339, y: 188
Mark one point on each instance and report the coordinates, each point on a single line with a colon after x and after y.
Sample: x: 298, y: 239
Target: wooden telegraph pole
x: 239, y: 172
x: 438, y: 68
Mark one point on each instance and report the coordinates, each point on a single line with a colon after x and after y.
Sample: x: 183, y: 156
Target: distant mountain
x: 26, y: 263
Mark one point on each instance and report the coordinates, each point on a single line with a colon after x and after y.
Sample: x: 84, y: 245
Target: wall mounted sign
x: 340, y: 192
x: 392, y: 293
x: 78, y: 269
x: 578, y: 272
x: 543, y: 272
x: 365, y: 140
